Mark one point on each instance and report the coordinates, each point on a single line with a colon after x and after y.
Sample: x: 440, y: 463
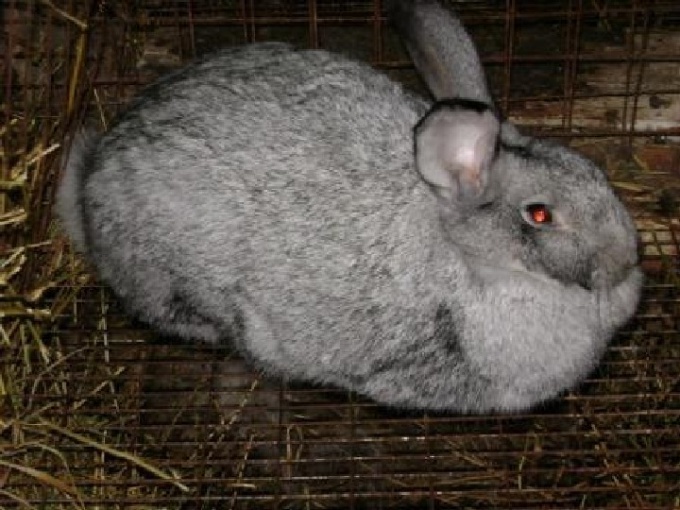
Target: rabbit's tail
x: 68, y: 199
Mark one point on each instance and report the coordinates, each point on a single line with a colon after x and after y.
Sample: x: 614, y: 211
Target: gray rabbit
x: 337, y: 229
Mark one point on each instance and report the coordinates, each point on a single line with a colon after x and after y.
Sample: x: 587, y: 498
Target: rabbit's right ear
x: 455, y: 144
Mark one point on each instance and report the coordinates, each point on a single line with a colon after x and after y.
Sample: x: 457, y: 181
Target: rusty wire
x: 238, y: 441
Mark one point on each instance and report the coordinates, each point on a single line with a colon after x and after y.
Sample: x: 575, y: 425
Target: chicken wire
x: 99, y: 412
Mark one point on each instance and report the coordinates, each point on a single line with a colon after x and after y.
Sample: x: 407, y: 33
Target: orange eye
x: 539, y: 214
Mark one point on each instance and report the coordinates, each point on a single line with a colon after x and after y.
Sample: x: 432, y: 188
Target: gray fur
x: 269, y: 197
x: 441, y: 49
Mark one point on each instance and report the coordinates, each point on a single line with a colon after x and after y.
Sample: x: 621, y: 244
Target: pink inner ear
x: 470, y: 176
x: 454, y: 151
x: 467, y: 157
x: 472, y: 159
x: 472, y: 179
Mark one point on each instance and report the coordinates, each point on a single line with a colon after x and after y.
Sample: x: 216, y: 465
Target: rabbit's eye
x: 538, y: 214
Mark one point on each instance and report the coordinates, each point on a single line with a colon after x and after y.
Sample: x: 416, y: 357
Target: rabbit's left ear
x: 455, y: 144
x: 441, y: 49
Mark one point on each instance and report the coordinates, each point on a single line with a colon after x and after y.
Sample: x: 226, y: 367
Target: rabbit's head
x: 519, y: 203
x: 509, y: 201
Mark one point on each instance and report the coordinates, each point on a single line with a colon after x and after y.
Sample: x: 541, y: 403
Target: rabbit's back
x: 262, y: 178
x: 291, y: 130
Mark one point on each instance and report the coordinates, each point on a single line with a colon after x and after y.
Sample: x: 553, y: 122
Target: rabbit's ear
x: 455, y: 144
x: 441, y: 49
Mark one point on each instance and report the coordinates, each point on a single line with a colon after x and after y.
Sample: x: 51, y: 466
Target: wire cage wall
x: 99, y: 412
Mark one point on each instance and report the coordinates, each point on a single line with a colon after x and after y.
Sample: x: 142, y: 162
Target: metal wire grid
x: 242, y: 442
x: 198, y: 26
x: 246, y: 442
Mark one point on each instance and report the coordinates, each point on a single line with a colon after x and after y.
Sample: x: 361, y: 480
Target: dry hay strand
x: 42, y: 397
x: 45, y: 437
x: 57, y: 433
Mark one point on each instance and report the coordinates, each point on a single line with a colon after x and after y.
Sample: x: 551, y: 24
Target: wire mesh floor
x: 97, y: 412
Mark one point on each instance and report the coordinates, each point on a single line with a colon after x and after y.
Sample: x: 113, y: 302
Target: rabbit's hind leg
x: 176, y: 316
